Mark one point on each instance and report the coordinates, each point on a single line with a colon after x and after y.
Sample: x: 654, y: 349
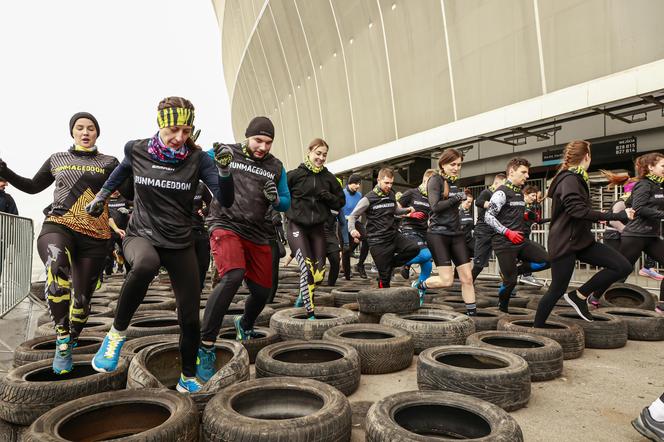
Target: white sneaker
x: 530, y: 280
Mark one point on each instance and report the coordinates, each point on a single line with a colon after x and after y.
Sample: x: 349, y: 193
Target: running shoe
x: 503, y: 305
x: 650, y: 273
x: 108, y: 355
x: 530, y: 280
x: 240, y: 333
x: 659, y: 307
x: 188, y: 385
x: 648, y: 426
x: 205, y: 360
x: 405, y: 272
x: 374, y: 269
x: 420, y: 291
x: 361, y: 271
x: 593, y: 302
x: 62, y: 363
x: 299, y: 302
x: 580, y: 305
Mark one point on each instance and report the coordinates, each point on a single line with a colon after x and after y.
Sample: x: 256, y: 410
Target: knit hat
x: 260, y: 126
x: 354, y: 179
x: 77, y: 116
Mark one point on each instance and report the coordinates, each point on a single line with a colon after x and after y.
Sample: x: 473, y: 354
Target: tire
x: 569, y: 336
x: 95, y: 324
x: 292, y: 323
x: 263, y: 319
x: 11, y: 433
x: 139, y: 415
x: 368, y: 318
x: 95, y: 310
x: 151, y: 325
x: 520, y: 300
x: 391, y: 300
x: 536, y: 299
x: 345, y: 295
x: 543, y: 355
x: 158, y: 366
x: 449, y: 308
x: 422, y: 416
x: 606, y: 331
x: 266, y: 336
x: 279, y: 304
x: 322, y: 299
x: 457, y: 301
x: 330, y: 362
x: 627, y: 296
x: 642, y: 325
x: 133, y: 346
x: 31, y: 390
x: 43, y: 347
x: 382, y: 349
x: 485, y: 319
x: 432, y: 327
x: 496, y: 376
x: 515, y: 312
x: 151, y: 303
x: 278, y: 409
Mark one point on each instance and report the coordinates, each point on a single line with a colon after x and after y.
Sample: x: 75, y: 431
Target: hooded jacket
x: 313, y: 195
x: 647, y: 199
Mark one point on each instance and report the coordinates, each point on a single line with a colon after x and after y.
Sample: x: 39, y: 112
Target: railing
x: 16, y: 236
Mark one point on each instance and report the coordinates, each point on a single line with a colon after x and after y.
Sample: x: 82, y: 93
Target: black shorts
x: 448, y: 249
x: 86, y: 246
x: 419, y: 238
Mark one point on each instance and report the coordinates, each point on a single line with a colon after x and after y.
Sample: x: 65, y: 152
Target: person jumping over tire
x: 484, y: 232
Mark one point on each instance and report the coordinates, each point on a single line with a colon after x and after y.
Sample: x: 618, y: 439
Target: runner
x: 332, y: 247
x: 350, y: 244
x: 483, y: 232
x: 71, y: 244
x: 119, y: 209
x: 467, y: 221
x: 388, y: 247
x: 166, y: 169
x: 533, y: 215
x: 277, y: 240
x: 507, y: 216
x: 240, y: 238
x: 444, y: 235
x: 199, y: 232
x: 571, y: 238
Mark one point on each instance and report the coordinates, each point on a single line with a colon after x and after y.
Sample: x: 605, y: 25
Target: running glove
x: 96, y: 206
x: 417, y: 215
x: 223, y: 155
x: 326, y: 196
x: 515, y: 237
x: 461, y: 196
x: 270, y: 191
x: 194, y: 134
x: 530, y: 216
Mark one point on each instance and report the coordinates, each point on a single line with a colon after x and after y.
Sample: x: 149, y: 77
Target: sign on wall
x: 606, y: 151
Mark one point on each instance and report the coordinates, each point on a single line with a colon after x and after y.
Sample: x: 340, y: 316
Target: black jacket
x: 7, y: 204
x: 444, y: 216
x: 647, y: 199
x: 483, y: 197
x: 571, y: 215
x: 313, y: 195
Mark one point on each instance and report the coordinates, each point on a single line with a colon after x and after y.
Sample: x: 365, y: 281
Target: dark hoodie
x: 313, y: 195
x: 572, y: 216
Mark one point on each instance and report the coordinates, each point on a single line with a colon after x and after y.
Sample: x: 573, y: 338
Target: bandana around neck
x: 450, y: 178
x: 423, y: 190
x: 83, y: 149
x: 509, y: 185
x: 379, y: 192
x: 164, y: 154
x: 579, y: 170
x: 655, y: 179
x: 309, y: 165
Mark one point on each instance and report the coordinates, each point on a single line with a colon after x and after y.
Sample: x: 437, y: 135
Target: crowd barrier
x: 16, y: 237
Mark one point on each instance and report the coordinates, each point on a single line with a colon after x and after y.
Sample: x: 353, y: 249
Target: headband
x: 175, y: 116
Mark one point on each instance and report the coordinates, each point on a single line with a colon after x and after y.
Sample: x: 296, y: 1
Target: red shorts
x: 231, y: 251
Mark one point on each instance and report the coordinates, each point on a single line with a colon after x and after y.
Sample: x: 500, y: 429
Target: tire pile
x: 470, y: 371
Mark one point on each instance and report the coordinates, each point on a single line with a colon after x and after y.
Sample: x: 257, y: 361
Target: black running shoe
x: 648, y: 426
x: 405, y: 272
x: 503, y: 305
x: 580, y: 305
x: 361, y: 271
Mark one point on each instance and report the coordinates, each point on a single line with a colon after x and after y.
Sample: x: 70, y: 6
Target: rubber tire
x: 570, y: 337
x: 389, y: 300
x: 289, y: 327
x: 21, y: 401
x: 642, y: 325
x: 26, y: 351
x: 485, y: 319
x: 642, y: 298
x: 134, y: 331
x: 253, y: 345
x: 104, y: 325
x: 342, y: 374
x: 381, y: 426
x: 377, y: 356
x: 235, y: 370
x: 95, y: 311
x: 508, y: 387
x: 154, y: 303
x: 520, y: 300
x: 453, y: 327
x: 606, y: 331
x: 535, y: 300
x: 331, y: 423
x: 345, y: 295
x: 515, y: 312
x: 182, y: 424
x: 133, y: 346
x: 11, y: 433
x: 545, y: 362
x: 263, y: 319
x: 457, y: 301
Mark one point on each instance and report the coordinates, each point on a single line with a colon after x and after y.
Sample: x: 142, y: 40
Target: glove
x: 223, y: 155
x: 3, y: 168
x: 326, y: 196
x: 123, y: 210
x: 460, y: 196
x: 270, y: 191
x: 515, y: 237
x: 96, y: 206
x: 194, y: 134
x: 417, y: 215
x: 530, y: 216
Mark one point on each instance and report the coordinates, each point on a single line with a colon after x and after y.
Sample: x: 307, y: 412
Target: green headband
x: 175, y: 116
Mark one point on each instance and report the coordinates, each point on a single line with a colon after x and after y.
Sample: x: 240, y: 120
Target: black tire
x: 43, y: 347
x: 642, y: 325
x: 31, y: 390
x: 278, y: 409
x: 142, y: 416
x: 569, y: 336
x: 457, y: 301
x: 368, y: 318
x: 515, y: 312
x: 293, y: 323
x: 485, y: 319
x: 10, y: 432
x: 95, y: 324
x: 627, y: 296
x: 345, y: 295
x: 382, y: 349
x: 133, y: 346
x: 330, y: 362
x: 263, y: 319
x: 151, y: 303
x: 535, y: 300
x: 390, y: 300
x: 266, y: 336
x: 158, y: 366
x: 496, y: 376
x: 543, y: 355
x: 95, y: 310
x: 432, y: 327
x: 606, y: 331
x: 425, y: 416
x: 279, y: 304
x: 520, y: 300
x: 449, y: 308
x: 151, y: 325
x: 323, y: 299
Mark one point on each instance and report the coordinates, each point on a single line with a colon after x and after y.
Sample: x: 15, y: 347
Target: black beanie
x: 354, y: 179
x: 260, y: 126
x: 77, y: 116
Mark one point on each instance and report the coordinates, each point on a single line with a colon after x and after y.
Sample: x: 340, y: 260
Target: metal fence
x: 16, y: 236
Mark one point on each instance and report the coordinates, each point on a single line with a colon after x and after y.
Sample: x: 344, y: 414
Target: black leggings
x: 70, y: 257
x: 615, y: 266
x: 276, y: 257
x: 202, y: 248
x: 392, y: 254
x: 182, y: 267
x: 632, y: 246
x: 364, y: 251
x: 308, y: 246
x: 534, y: 259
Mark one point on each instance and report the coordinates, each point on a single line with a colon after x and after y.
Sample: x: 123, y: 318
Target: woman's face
x: 318, y: 155
x: 453, y: 168
x: 586, y: 161
x: 658, y: 168
x: 175, y: 136
x: 85, y: 132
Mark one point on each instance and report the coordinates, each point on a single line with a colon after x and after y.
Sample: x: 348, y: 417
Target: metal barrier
x: 16, y: 236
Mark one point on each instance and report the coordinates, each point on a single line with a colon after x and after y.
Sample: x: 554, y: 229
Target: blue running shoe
x: 62, y: 363
x: 188, y: 385
x: 240, y: 333
x: 108, y: 355
x: 299, y: 302
x: 420, y: 291
x: 205, y: 363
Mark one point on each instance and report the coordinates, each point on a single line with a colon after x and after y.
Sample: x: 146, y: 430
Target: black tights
x: 333, y: 273
x: 364, y: 251
x: 632, y: 246
x: 182, y: 267
x: 276, y: 256
x: 202, y: 247
x: 534, y: 258
x: 308, y: 246
x: 615, y: 266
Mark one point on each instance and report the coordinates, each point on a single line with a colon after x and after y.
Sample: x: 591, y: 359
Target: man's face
x: 354, y: 187
x: 385, y: 184
x: 3, y: 185
x: 259, y: 146
x: 518, y: 176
